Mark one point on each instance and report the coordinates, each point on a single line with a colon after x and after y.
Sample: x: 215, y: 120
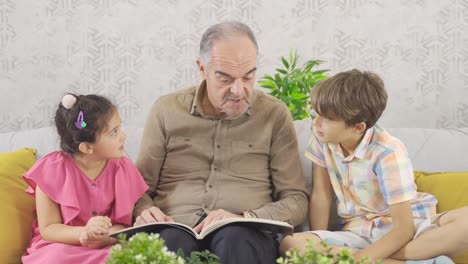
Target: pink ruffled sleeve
x: 51, y: 175
x: 129, y: 187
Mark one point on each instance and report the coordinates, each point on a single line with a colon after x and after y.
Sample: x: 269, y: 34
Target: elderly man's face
x: 230, y: 77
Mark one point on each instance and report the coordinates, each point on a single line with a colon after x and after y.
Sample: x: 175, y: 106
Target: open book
x: 257, y: 223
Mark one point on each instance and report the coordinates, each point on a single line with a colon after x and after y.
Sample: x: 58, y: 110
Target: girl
x: 84, y: 191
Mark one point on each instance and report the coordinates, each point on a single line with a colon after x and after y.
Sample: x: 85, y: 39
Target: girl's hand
x: 95, y: 233
x: 89, y: 239
x: 99, y: 225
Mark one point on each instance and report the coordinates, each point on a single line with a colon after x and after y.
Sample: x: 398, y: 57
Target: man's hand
x: 152, y: 215
x: 214, y: 216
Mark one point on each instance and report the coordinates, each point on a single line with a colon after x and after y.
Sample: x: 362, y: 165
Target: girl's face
x: 110, y: 141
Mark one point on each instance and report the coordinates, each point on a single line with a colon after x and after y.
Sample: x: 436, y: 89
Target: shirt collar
x: 361, y: 149
x: 196, y: 109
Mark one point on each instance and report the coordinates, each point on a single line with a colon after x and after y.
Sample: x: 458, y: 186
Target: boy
x: 372, y: 177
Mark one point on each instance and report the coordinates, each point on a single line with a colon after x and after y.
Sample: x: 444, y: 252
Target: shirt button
x: 200, y: 213
x: 210, y: 186
x: 205, y: 206
x: 215, y: 168
x: 94, y: 213
x: 94, y: 185
x: 218, y: 146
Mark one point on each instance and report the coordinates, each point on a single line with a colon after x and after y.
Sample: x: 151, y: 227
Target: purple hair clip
x: 80, y: 123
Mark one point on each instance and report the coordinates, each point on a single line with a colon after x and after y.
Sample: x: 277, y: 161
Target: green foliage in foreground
x: 324, y: 256
x: 150, y: 248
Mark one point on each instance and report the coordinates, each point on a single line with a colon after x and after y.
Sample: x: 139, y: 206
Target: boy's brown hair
x: 353, y: 96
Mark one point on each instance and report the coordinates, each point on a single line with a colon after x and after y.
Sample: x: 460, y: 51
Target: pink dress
x: 113, y: 193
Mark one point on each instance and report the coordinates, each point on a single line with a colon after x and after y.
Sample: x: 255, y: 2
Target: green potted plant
x: 142, y: 248
x: 201, y: 257
x: 324, y: 256
x: 150, y: 248
x: 293, y: 84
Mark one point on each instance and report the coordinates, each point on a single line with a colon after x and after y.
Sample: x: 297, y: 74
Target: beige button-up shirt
x: 195, y: 163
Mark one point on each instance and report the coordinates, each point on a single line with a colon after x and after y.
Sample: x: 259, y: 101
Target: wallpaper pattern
x: 136, y: 50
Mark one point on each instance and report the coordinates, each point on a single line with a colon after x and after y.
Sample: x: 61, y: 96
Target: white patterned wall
x: 135, y: 50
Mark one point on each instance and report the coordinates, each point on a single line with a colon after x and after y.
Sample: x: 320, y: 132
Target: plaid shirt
x: 378, y: 174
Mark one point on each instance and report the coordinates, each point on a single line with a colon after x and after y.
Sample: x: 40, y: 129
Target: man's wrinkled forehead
x: 224, y: 66
x: 234, y: 54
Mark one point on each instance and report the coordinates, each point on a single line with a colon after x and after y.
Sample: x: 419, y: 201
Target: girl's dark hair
x: 96, y: 111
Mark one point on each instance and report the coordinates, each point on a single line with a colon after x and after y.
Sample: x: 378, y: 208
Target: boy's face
x: 331, y: 131
x: 335, y: 131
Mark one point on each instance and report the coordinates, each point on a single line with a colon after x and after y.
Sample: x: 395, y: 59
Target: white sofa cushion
x: 435, y: 149
x: 430, y: 149
x: 44, y: 139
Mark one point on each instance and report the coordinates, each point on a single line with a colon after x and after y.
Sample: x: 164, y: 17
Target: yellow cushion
x: 450, y: 189
x: 16, y: 207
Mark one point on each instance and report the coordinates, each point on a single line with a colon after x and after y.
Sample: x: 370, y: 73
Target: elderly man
x: 220, y: 150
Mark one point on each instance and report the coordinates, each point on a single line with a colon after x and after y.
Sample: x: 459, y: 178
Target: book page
x: 152, y: 228
x: 256, y: 223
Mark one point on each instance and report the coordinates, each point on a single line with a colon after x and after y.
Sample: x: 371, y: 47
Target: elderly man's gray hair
x: 221, y: 31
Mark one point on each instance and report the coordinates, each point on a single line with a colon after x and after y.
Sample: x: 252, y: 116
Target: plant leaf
x: 299, y: 96
x: 267, y: 84
x: 320, y: 71
x: 268, y: 77
x: 294, y: 61
x: 285, y: 63
x: 281, y: 71
x: 291, y: 55
x: 319, y: 77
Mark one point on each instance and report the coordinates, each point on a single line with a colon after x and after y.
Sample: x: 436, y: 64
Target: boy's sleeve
x: 314, y: 151
x: 395, y: 175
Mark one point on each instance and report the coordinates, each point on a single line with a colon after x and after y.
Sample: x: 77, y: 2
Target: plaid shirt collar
x: 359, y: 152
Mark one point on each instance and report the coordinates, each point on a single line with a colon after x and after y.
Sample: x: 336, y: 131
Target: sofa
x: 439, y: 159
